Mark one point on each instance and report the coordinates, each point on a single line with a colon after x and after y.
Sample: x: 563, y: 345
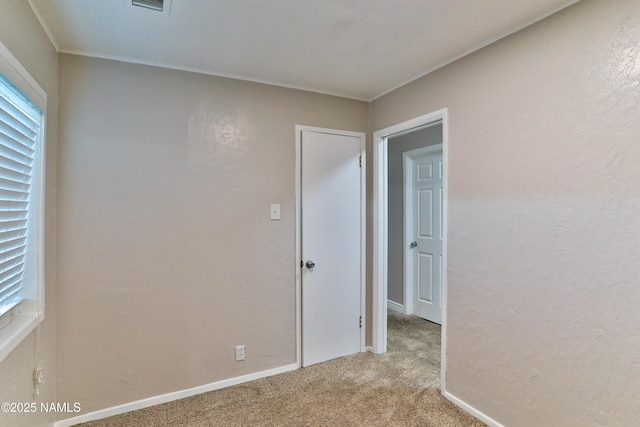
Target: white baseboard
x: 473, y: 411
x: 394, y: 306
x: 164, y: 398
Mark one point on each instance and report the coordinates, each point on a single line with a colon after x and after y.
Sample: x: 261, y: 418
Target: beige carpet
x: 398, y: 388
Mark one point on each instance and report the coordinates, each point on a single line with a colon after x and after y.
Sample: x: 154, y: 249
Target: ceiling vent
x: 149, y: 4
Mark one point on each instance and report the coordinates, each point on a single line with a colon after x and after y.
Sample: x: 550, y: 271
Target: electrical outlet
x: 275, y: 211
x: 240, y: 352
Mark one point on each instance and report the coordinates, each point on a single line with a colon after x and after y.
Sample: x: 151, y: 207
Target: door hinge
x: 360, y: 161
x: 361, y: 321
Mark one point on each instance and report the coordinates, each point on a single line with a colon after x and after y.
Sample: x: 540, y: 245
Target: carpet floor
x: 399, y: 388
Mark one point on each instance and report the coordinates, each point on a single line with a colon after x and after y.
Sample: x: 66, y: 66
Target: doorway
x: 330, y: 243
x: 381, y: 226
x: 415, y: 222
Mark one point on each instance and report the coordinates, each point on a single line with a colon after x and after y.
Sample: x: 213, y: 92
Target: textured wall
x: 167, y: 256
x: 22, y: 34
x: 544, y: 195
x: 397, y: 146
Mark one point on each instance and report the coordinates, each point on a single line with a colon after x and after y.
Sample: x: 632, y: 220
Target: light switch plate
x: 275, y: 211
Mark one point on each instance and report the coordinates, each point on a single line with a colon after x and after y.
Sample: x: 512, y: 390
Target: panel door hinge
x: 360, y: 161
x: 361, y: 321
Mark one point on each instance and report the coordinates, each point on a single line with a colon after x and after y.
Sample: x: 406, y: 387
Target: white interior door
x: 331, y: 235
x: 424, y: 171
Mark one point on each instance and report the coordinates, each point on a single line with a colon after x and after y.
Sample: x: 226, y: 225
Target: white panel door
x: 331, y: 238
x: 426, y: 235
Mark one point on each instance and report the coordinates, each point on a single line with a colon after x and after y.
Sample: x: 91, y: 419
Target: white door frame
x: 381, y: 232
x: 363, y: 229
x: 407, y: 187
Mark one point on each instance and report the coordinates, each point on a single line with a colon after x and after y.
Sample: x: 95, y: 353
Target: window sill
x: 16, y: 331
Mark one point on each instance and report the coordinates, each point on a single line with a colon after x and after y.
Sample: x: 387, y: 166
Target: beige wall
x: 397, y: 147
x: 544, y: 195
x: 21, y: 33
x: 167, y: 257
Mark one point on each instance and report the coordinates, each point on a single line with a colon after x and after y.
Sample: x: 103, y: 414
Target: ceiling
x: 354, y: 48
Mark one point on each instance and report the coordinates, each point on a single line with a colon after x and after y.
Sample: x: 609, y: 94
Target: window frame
x: 22, y: 319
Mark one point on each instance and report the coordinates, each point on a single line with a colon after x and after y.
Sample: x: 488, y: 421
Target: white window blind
x: 20, y: 122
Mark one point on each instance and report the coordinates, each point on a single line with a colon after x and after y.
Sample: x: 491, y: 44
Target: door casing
x: 363, y: 244
x: 380, y: 228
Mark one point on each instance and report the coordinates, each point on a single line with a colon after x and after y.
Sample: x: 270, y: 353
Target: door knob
x: 413, y: 245
x: 310, y: 264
